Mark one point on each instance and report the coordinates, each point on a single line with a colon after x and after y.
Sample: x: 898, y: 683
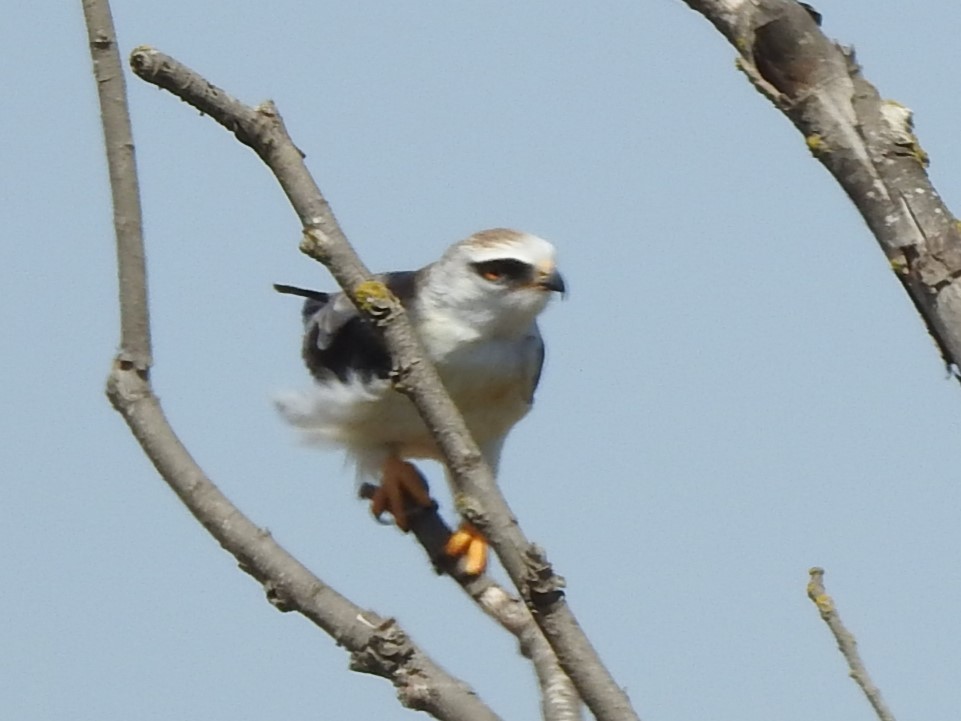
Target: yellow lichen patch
x: 824, y: 603
x: 918, y: 152
x: 816, y: 144
x: 372, y: 296
x: 461, y: 502
x: 899, y: 265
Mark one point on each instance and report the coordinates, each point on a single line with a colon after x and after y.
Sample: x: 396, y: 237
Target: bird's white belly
x: 490, y: 384
x: 491, y: 403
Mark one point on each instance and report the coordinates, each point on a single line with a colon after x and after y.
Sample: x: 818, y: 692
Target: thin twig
x: 477, y: 497
x: 846, y: 643
x: 378, y: 646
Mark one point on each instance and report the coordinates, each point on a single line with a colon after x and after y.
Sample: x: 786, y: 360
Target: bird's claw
x: 470, y: 545
x: 401, y: 487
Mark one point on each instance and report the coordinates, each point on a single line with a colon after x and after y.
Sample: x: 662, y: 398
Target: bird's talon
x: 457, y: 543
x: 402, y: 490
x: 468, y: 543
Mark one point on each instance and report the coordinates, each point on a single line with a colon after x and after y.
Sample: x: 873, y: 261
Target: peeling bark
x: 867, y: 143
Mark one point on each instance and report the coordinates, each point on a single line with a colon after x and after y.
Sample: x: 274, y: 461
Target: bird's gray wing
x: 535, y: 360
x: 338, y: 341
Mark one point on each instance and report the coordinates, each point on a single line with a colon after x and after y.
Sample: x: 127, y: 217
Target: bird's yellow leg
x: 401, y: 485
x: 469, y: 543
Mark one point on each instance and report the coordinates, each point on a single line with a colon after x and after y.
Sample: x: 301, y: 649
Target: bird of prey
x: 475, y: 312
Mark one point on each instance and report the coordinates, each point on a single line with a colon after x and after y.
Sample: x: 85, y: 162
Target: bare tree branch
x: 868, y: 144
x: 378, y: 646
x: 846, y: 643
x: 559, y: 699
x: 122, y: 166
x: 478, y: 499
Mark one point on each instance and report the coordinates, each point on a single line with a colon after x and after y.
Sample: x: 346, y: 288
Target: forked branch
x: 377, y: 645
x: 559, y: 699
x: 478, y: 498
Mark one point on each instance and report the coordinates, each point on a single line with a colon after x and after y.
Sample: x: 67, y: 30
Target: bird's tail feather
x: 302, y: 292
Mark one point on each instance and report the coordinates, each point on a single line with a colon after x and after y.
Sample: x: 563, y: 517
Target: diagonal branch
x: 866, y: 143
x: 559, y: 699
x: 846, y: 643
x: 378, y: 646
x: 478, y: 498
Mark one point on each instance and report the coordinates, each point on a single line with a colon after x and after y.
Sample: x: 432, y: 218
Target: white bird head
x: 495, y: 282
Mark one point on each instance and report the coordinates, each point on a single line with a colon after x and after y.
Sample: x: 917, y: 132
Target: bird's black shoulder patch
x: 354, y: 347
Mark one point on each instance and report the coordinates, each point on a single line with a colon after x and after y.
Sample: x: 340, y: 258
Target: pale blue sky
x: 736, y: 387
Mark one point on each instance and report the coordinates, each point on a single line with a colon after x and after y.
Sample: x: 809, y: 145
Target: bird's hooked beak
x: 551, y: 279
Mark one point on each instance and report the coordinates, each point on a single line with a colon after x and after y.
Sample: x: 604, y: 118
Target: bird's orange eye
x: 504, y: 270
